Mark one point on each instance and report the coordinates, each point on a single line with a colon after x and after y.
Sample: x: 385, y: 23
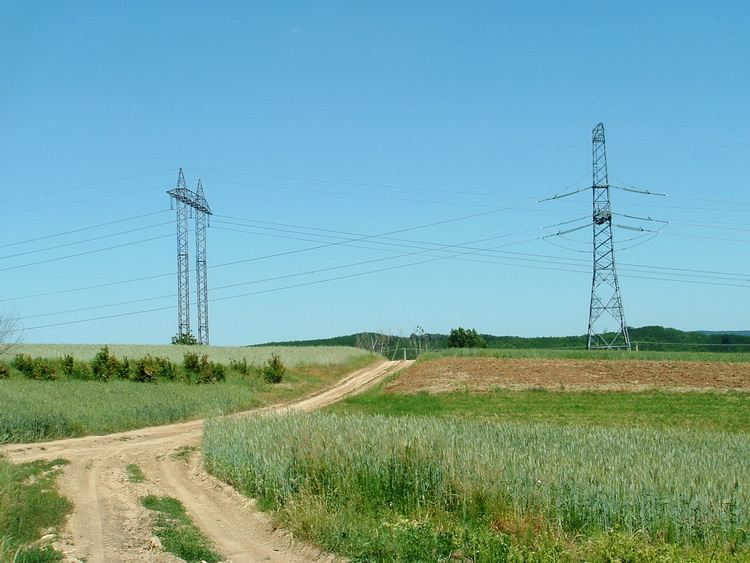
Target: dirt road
x: 109, y: 525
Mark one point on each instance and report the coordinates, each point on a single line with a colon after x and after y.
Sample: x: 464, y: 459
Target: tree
x: 420, y: 340
x: 462, y: 338
x: 185, y: 338
x: 385, y: 344
x: 10, y: 331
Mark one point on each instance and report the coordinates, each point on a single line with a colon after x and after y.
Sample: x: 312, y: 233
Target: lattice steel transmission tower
x: 606, y: 302
x: 196, y: 201
x: 182, y: 197
x: 202, y: 211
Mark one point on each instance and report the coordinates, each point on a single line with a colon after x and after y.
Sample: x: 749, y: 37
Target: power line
x: 83, y: 241
x: 87, y: 288
x: 458, y: 251
x: 355, y: 184
x: 87, y: 200
x: 60, y: 190
x: 82, y: 253
x: 90, y: 227
x: 635, y: 189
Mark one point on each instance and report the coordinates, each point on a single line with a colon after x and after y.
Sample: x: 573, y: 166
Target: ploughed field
x: 446, y: 375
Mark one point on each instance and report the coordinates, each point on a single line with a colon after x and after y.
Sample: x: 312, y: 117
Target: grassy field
x: 290, y: 355
x: 43, y: 410
x: 67, y: 407
x: 507, y: 475
x: 384, y: 488
x: 502, y: 476
x: 709, y: 411
x: 680, y: 356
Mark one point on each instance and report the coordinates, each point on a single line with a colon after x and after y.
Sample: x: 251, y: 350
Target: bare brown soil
x: 109, y: 525
x: 486, y: 374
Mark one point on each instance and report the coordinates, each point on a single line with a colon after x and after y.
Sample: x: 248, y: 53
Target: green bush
x: 212, y: 373
x: 274, y: 369
x: 149, y: 369
x: 71, y: 368
x: 200, y: 370
x: 23, y: 363
x: 241, y: 366
x: 34, y: 368
x: 191, y: 361
x: 105, y: 366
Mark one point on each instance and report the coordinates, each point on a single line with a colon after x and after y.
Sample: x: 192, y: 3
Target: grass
x: 290, y: 355
x: 711, y: 411
x: 571, y: 354
x: 378, y: 488
x: 184, y: 453
x: 43, y: 410
x: 176, y: 531
x: 29, y: 505
x: 135, y: 474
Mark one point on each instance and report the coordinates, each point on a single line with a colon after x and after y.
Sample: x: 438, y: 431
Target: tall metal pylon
x: 196, y: 201
x: 181, y: 196
x: 606, y: 302
x: 201, y: 220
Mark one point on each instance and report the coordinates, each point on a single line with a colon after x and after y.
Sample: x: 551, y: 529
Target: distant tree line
x: 656, y: 338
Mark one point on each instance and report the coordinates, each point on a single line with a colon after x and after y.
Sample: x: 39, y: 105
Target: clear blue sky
x: 371, y: 166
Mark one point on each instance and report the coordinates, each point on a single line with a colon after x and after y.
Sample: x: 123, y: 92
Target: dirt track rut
x: 109, y: 525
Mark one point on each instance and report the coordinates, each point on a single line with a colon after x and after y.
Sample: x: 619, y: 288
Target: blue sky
x: 371, y: 166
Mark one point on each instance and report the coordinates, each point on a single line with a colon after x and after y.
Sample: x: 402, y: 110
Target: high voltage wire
x: 326, y: 280
x: 47, y: 261
x: 87, y: 288
x: 371, y: 196
x: 626, y: 187
x: 357, y: 184
x: 82, y: 186
x: 87, y: 200
x: 298, y: 274
x: 90, y: 227
x: 83, y: 241
x: 452, y: 251
x: 341, y: 242
x: 647, y: 192
x: 456, y: 254
x: 421, y: 251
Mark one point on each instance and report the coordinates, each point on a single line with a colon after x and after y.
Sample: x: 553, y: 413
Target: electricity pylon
x: 196, y: 201
x: 606, y: 302
x: 201, y: 280
x: 181, y: 196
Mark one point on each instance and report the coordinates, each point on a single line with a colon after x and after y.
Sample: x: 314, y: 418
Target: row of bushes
x: 105, y: 367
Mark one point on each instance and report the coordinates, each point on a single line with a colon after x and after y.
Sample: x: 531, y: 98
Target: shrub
x: 149, y: 369
x: 202, y: 370
x: 104, y: 366
x: 192, y: 362
x: 34, y: 368
x: 274, y: 369
x: 211, y: 373
x: 241, y: 366
x: 23, y: 363
x: 71, y: 368
x: 4, y: 371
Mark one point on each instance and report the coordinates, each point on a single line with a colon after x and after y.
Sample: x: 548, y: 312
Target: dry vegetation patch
x: 478, y: 375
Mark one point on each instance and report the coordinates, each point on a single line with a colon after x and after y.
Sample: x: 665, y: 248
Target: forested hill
x: 644, y: 338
